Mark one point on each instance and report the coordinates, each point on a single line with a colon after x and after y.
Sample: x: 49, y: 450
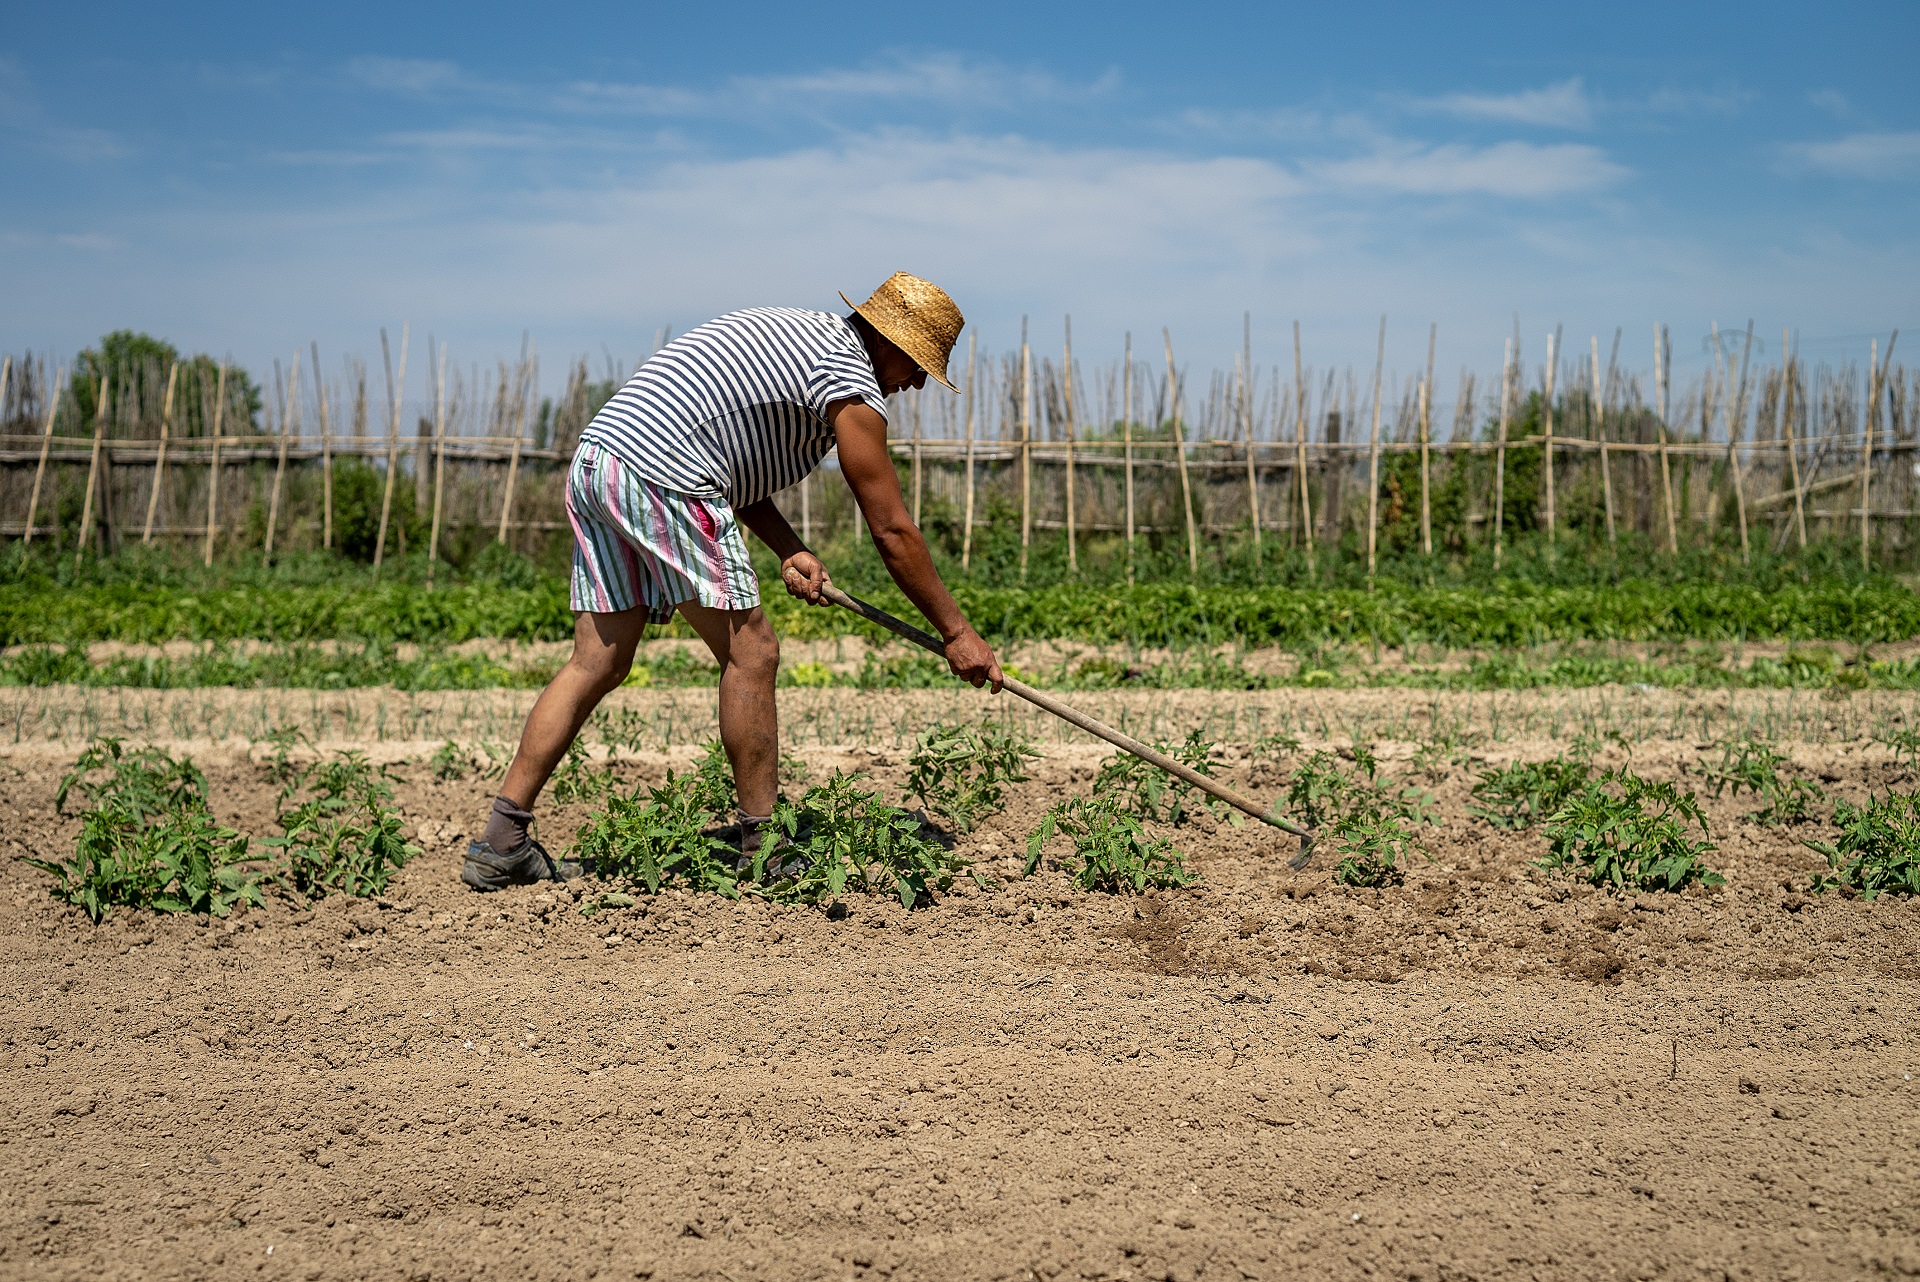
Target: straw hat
x: 919, y: 319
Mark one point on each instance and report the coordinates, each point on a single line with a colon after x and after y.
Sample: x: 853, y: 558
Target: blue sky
x: 246, y: 178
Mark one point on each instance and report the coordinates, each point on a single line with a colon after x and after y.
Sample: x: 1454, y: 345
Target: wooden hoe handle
x: 1099, y: 729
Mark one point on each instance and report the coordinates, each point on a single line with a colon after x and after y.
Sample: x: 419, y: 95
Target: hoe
x: 1125, y: 743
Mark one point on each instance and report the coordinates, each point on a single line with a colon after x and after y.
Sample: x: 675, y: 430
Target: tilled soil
x: 1486, y: 1072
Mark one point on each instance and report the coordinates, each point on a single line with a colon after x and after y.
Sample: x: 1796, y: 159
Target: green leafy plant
x: 1147, y: 791
x: 450, y: 761
x: 1905, y: 743
x: 140, y: 783
x: 1878, y: 849
x: 147, y: 839
x: 839, y: 837
x: 578, y: 779
x: 961, y: 771
x: 1436, y: 757
x: 1753, y: 765
x: 341, y: 835
x: 1526, y: 792
x: 1113, y: 852
x: 660, y: 837
x: 1323, y: 790
x: 1630, y: 833
x: 1375, y: 848
x: 712, y: 778
x: 1273, y: 747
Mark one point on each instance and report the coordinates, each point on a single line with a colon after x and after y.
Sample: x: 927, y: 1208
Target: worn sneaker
x: 488, y: 869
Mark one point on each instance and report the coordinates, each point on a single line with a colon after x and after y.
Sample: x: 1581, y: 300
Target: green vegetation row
x: 316, y: 666
x: 148, y: 838
x: 1157, y: 614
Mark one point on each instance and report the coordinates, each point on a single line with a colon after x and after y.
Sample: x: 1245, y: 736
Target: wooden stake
x: 1662, y: 372
x: 1126, y: 436
x: 528, y: 381
x: 1784, y: 431
x: 1736, y: 427
x: 1426, y: 445
x: 289, y: 424
x: 394, y: 392
x: 1026, y: 448
x: 1180, y: 453
x: 6, y: 379
x: 1073, y: 548
x: 1246, y: 421
x: 101, y: 395
x: 806, y: 508
x: 1300, y: 448
x: 1500, y: 452
x: 46, y: 443
x: 1600, y: 430
x: 1553, y: 363
x: 1373, y: 459
x: 917, y: 470
x: 966, y: 528
x: 1876, y: 379
x: 439, y: 462
x: 160, y: 458
x: 326, y: 454
x: 213, y: 465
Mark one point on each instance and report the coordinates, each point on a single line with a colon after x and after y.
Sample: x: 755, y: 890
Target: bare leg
x: 748, y: 653
x: 603, y: 646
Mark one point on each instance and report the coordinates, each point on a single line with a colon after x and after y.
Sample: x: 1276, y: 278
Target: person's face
x: 895, y: 369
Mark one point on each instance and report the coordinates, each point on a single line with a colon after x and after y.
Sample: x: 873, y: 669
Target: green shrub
x: 1148, y: 792
x: 1905, y: 743
x: 342, y: 836
x: 838, y: 837
x: 1112, y: 851
x: 712, y: 778
x: 1629, y: 833
x: 1370, y: 821
x: 1375, y: 849
x: 450, y: 761
x: 147, y: 839
x: 961, y: 771
x: 1753, y: 765
x: 1878, y: 850
x: 661, y: 838
x: 1324, y: 791
x: 578, y: 779
x: 1526, y: 792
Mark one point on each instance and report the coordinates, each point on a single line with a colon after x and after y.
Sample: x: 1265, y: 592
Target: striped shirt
x: 737, y: 408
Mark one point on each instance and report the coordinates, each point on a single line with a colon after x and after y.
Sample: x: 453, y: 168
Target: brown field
x: 1484, y: 1073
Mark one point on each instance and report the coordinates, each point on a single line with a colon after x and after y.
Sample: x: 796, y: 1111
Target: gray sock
x: 506, y: 829
x: 751, y: 827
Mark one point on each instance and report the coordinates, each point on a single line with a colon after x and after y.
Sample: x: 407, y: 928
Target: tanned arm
x: 861, y: 435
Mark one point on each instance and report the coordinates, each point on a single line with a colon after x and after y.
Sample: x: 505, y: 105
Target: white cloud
x: 1831, y: 101
x: 1512, y: 169
x: 1726, y: 100
x: 407, y: 75
x: 941, y: 79
x: 1862, y: 155
x: 1564, y: 106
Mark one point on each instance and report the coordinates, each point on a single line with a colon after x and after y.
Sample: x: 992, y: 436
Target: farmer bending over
x: 694, y: 446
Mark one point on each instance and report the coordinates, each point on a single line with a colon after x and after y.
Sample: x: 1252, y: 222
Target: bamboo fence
x: 1769, y: 454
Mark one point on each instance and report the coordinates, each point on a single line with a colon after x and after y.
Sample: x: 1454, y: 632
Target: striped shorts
x: 637, y: 543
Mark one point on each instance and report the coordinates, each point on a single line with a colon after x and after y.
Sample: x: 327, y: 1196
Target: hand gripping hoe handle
x: 1099, y: 729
